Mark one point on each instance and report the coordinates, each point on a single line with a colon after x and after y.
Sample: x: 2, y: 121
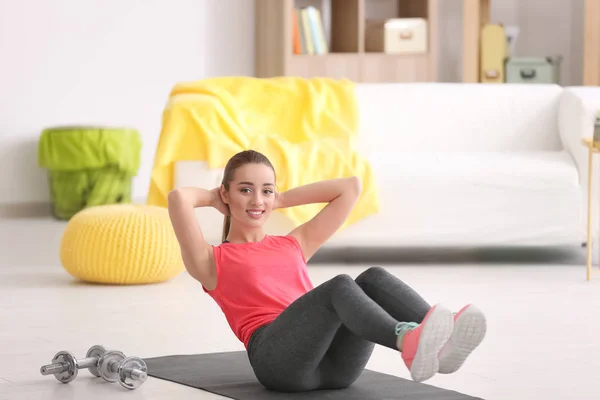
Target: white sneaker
x: 469, y: 330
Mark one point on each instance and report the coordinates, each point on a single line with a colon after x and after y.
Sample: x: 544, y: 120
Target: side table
x: 593, y: 147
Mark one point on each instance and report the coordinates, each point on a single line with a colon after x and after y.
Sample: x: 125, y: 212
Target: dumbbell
x: 65, y: 366
x: 130, y: 372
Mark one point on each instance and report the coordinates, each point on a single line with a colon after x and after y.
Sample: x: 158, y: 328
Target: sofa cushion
x: 439, y: 199
x: 531, y: 170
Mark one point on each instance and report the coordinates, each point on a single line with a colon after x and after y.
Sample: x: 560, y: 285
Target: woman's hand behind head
x: 218, y: 202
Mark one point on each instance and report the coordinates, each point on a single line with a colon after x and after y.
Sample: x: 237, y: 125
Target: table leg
x: 589, y: 216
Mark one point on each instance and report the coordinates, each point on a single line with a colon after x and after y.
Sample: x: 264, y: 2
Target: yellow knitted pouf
x: 121, y: 244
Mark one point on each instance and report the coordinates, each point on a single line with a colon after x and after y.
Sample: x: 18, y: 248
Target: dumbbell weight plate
x: 71, y: 373
x: 110, y: 374
x: 95, y: 351
x: 129, y: 364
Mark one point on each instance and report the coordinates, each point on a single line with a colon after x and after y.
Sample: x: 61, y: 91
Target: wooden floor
x: 543, y: 340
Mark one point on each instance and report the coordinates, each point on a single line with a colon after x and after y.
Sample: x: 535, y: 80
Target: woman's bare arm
x: 341, y: 194
x: 196, y: 252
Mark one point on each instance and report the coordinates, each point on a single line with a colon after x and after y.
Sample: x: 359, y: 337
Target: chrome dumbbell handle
x: 136, y: 374
x: 59, y: 367
x: 65, y: 366
x: 56, y: 368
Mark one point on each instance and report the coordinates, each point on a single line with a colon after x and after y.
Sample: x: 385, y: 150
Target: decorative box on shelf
x: 396, y: 36
x: 533, y: 69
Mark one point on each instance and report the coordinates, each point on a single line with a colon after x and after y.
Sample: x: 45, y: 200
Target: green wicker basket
x: 88, y: 166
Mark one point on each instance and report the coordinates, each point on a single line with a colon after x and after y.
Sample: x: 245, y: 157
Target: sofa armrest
x: 578, y: 107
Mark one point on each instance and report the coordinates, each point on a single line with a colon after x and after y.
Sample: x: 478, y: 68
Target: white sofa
x: 461, y: 165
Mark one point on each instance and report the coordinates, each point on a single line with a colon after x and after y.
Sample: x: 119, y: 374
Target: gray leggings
x: 325, y: 338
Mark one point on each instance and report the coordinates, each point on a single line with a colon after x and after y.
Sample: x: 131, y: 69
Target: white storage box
x: 396, y: 36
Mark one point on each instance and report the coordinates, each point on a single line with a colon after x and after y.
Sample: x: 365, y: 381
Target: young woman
x: 299, y: 337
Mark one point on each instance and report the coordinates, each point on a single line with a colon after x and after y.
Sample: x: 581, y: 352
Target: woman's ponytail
x: 226, y: 226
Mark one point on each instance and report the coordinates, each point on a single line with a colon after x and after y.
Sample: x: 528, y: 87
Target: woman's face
x: 251, y: 195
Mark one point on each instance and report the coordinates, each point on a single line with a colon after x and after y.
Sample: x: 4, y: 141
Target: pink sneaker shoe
x: 421, y: 343
x: 469, y: 330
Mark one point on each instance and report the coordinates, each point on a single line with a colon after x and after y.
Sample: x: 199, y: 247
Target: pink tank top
x: 256, y: 281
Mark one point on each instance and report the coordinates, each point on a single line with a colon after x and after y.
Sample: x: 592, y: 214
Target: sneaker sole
x: 434, y: 334
x: 469, y: 330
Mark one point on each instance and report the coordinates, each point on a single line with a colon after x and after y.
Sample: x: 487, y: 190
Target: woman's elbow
x: 355, y: 185
x: 173, y: 196
x: 176, y: 197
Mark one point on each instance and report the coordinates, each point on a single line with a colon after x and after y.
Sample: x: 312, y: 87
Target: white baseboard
x: 25, y: 210
x: 33, y: 209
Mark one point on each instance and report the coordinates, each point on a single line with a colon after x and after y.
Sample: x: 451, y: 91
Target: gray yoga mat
x: 230, y: 375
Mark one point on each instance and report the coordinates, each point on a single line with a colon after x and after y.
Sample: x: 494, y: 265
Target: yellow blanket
x: 306, y: 127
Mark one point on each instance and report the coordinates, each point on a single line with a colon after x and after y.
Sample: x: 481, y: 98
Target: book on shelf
x: 308, y: 33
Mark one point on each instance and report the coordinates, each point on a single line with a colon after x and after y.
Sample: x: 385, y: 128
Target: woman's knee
x: 342, y: 280
x: 372, y: 274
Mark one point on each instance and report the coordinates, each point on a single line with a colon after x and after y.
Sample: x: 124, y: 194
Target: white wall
x: 109, y: 62
x: 115, y: 61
